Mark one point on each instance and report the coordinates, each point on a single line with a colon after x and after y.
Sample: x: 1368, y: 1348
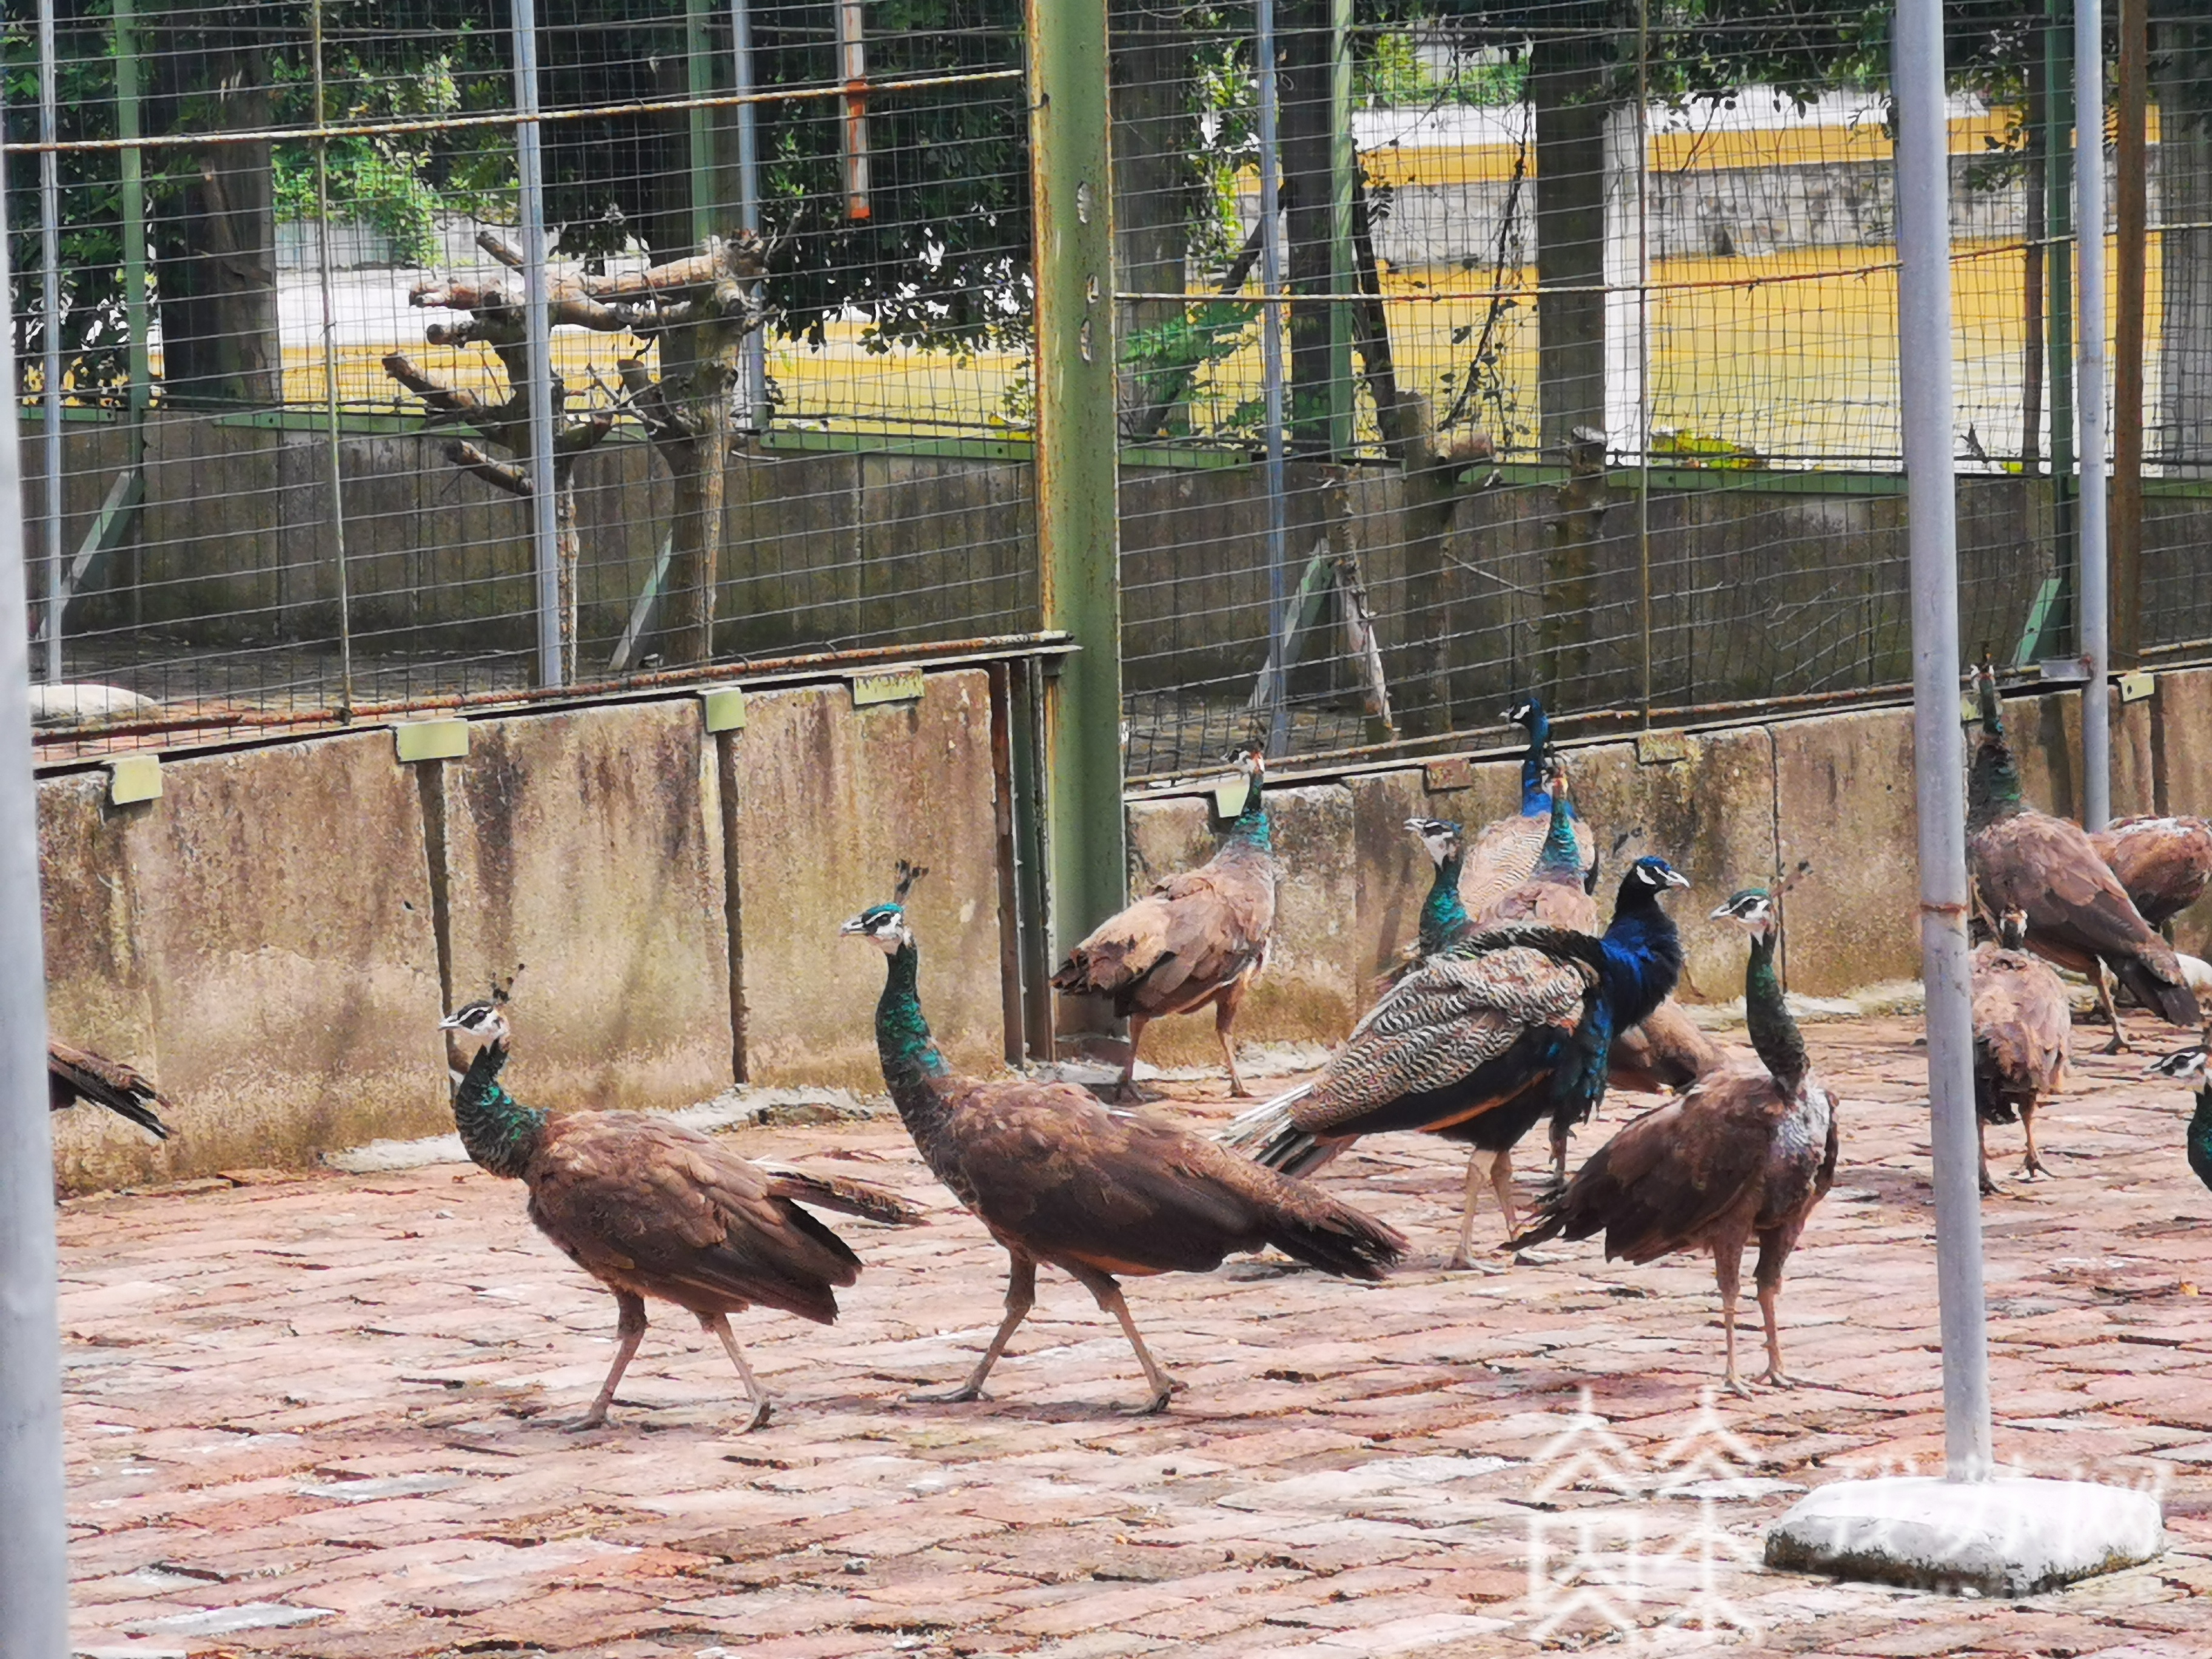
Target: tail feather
x: 79, y: 1075
x: 2172, y: 1000
x: 1268, y: 1136
x: 863, y: 1199
x: 1335, y: 1237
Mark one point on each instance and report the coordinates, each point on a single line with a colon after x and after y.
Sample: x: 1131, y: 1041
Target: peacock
x: 471, y: 1025
x: 2163, y: 860
x: 1196, y: 940
x: 2078, y: 914
x: 1476, y: 1044
x: 652, y: 1209
x: 1058, y: 1179
x: 75, y: 1074
x: 2192, y: 1068
x: 2021, y: 1023
x: 1505, y: 854
x: 1746, y: 1154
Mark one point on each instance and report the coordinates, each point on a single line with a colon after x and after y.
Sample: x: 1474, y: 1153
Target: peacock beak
x: 1720, y: 913
x: 1676, y: 879
x: 855, y: 925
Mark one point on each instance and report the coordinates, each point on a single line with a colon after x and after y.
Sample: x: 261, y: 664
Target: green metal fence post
x: 1078, y: 543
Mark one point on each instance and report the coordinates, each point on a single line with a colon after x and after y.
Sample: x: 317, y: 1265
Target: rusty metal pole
x: 2132, y: 160
x: 33, y: 1537
x: 1079, y: 546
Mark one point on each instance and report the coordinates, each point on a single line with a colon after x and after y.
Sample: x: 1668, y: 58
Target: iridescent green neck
x: 1250, y: 826
x: 1443, y: 915
x: 902, y: 1040
x: 1561, y: 855
x: 1992, y: 783
x: 1774, y: 1033
x: 2200, y: 1137
x: 500, y: 1133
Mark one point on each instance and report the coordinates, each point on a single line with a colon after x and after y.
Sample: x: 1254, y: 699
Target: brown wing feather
x: 1668, y: 1050
x: 823, y: 1191
x: 2077, y: 911
x: 74, y: 1074
x: 1172, y: 949
x: 1052, y: 1172
x: 1669, y: 1176
x: 2021, y: 1023
x: 646, y: 1205
x: 2165, y: 864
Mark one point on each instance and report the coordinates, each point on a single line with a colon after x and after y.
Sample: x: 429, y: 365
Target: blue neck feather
x: 1535, y: 798
x: 498, y: 1132
x: 1443, y: 915
x: 1561, y: 858
x: 1250, y: 826
x: 1643, y: 955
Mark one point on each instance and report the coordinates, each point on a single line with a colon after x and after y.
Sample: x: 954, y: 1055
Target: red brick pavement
x: 323, y: 1417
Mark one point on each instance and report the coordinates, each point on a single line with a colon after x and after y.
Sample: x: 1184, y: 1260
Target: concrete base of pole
x: 2001, y: 1537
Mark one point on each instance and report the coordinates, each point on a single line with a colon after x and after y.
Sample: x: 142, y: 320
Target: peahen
x: 75, y: 1074
x: 1478, y: 1043
x: 2078, y: 913
x: 472, y: 1025
x: 2021, y: 1023
x: 1503, y: 855
x: 1059, y: 1179
x: 652, y: 1209
x: 1746, y: 1154
x: 2163, y: 860
x: 2192, y: 1067
x: 1196, y: 940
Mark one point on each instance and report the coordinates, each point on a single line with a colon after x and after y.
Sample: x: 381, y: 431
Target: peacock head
x: 1757, y: 909
x: 1251, y: 760
x: 485, y: 1020
x: 1439, y: 837
x: 1651, y: 876
x: 885, y: 926
x: 1525, y: 712
x: 2011, y: 930
x: 2186, y: 1067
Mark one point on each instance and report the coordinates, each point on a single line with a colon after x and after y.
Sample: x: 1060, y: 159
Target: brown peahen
x: 1196, y: 940
x: 652, y: 1209
x: 1746, y: 1154
x: 1059, y: 1179
x: 2164, y: 861
x: 2021, y: 1023
x: 2078, y: 913
x: 75, y: 1074
x: 1478, y: 1043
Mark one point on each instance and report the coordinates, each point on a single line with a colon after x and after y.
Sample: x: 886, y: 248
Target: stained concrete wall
x: 259, y: 939
x: 828, y: 797
x: 276, y: 936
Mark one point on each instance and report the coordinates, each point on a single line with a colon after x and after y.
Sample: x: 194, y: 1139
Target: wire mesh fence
x: 284, y: 386
x: 1591, y: 380
x: 1586, y: 312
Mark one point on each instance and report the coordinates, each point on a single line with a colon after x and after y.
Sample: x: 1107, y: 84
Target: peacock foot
x: 1154, y: 1405
x: 1990, y: 1187
x: 763, y: 1407
x: 958, y: 1396
x: 585, y: 1423
x: 2033, y: 1168
x: 2119, y: 1044
x: 1739, y: 1388
x: 1775, y: 1377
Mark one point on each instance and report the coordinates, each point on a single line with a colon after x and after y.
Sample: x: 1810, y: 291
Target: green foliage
x: 1389, y: 73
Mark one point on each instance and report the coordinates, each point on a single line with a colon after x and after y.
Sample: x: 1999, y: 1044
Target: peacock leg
x: 1728, y: 1269
x: 1561, y: 1134
x: 1224, y: 1016
x: 2034, y: 1165
x: 629, y: 1331
x: 1021, y: 1297
x: 2119, y: 1045
x: 1463, y: 1257
x: 1982, y: 1141
x: 1773, y: 1251
x: 1103, y: 1286
x: 719, y: 1325
x: 1501, y: 1183
x: 1129, y: 1088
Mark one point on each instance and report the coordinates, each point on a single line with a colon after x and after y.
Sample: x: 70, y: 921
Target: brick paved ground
x: 322, y: 1416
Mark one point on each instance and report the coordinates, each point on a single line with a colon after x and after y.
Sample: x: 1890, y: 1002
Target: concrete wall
x: 275, y: 938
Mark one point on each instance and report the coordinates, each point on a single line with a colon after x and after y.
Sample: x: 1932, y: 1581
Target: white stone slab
x: 2003, y: 1537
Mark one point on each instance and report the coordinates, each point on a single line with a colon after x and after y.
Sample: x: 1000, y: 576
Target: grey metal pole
x: 748, y: 217
x: 2090, y: 400
x: 50, y: 273
x: 545, y: 534
x: 34, y: 1536
x: 335, y: 454
x: 1270, y: 361
x: 1923, y: 332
